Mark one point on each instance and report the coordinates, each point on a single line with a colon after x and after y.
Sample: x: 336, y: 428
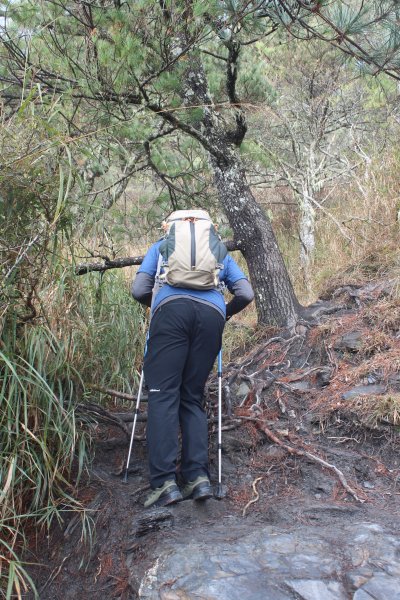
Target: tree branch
x: 120, y: 263
x: 339, y: 37
x: 231, y: 79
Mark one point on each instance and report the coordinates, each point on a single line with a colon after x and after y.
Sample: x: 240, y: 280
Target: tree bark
x: 275, y: 299
x: 307, y: 237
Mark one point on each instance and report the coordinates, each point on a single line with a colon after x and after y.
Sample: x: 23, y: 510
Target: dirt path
x: 302, y: 538
x: 289, y: 528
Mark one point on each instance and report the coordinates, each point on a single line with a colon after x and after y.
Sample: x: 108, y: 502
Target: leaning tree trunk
x: 274, y: 296
x: 275, y: 299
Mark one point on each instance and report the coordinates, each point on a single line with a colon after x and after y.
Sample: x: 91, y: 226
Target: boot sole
x: 167, y: 499
x: 203, y: 496
x: 202, y: 493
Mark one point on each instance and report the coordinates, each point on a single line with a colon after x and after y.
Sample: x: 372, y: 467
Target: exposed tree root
x: 257, y: 495
x: 295, y: 451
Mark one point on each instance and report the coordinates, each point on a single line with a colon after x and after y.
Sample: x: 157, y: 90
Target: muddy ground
x: 310, y: 447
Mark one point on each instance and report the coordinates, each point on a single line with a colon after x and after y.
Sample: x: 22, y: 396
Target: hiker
x: 185, y: 336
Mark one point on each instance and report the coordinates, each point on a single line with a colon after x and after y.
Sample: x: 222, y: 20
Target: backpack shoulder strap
x: 157, y: 283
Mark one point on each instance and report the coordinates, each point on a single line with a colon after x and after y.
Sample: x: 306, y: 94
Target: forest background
x: 281, y: 118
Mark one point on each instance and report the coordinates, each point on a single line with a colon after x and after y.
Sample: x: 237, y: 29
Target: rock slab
x: 234, y: 562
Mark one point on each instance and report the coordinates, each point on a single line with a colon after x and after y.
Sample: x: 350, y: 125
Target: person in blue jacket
x: 185, y: 337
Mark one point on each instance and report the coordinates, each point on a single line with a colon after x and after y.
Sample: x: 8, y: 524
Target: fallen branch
x: 232, y: 426
x: 299, y: 376
x: 253, y: 500
x: 116, y: 394
x: 107, y: 264
x: 114, y: 443
x: 100, y: 414
x: 119, y: 263
x: 295, y: 451
x: 137, y: 492
x: 129, y: 417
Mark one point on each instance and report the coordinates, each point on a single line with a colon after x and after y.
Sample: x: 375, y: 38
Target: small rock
x: 300, y: 386
x: 357, y: 579
x: 364, y: 390
x: 276, y: 452
x: 368, y: 485
x: 323, y: 377
x: 243, y: 390
x: 361, y: 595
x: 301, y: 429
x: 318, y: 590
x: 381, y: 587
x: 232, y: 444
x: 351, y: 341
x: 153, y: 520
x: 283, y: 432
x: 324, y: 485
x: 301, y: 330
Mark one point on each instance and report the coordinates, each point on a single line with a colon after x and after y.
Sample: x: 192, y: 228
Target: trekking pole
x: 141, y: 381
x: 125, y: 476
x: 219, y: 493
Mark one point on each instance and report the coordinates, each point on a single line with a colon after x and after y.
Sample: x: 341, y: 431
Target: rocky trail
x: 311, y: 470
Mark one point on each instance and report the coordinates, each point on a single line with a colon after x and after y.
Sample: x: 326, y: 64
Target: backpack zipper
x: 192, y: 246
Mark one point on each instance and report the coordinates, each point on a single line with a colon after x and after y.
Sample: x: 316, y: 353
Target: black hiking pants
x: 185, y: 338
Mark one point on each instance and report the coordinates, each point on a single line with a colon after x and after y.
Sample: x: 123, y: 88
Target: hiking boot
x: 199, y: 489
x: 168, y: 493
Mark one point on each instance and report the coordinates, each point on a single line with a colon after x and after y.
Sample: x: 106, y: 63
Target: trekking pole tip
x: 220, y: 493
x: 125, y: 476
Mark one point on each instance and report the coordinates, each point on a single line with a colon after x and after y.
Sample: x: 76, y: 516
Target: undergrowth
x: 375, y: 410
x: 40, y: 440
x: 89, y: 333
x: 374, y: 358
x: 102, y: 325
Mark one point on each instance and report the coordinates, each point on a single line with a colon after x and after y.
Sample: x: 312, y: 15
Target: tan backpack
x: 192, y: 251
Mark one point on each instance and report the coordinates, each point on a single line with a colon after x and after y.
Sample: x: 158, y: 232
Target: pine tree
x: 164, y: 67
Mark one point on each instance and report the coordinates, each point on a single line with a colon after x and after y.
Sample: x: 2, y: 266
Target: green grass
x: 90, y: 332
x: 40, y: 444
x: 108, y: 330
x: 374, y: 410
